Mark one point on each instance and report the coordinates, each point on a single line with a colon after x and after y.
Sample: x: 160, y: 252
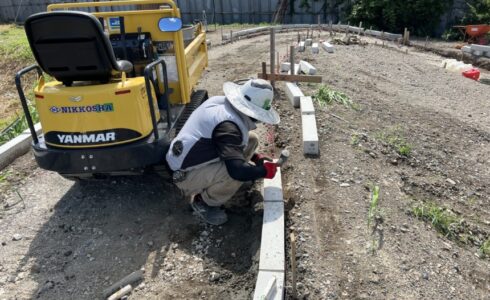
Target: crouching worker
x: 211, y: 154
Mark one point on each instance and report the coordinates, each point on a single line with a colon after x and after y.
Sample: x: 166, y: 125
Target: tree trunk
x: 281, y: 11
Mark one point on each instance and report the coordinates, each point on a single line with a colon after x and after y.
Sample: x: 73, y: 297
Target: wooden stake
x: 291, y: 59
x: 273, y: 53
x: 426, y: 41
x: 264, y: 69
x: 231, y: 36
x: 293, y: 262
x: 277, y: 62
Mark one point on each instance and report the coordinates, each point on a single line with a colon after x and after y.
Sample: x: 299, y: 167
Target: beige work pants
x: 213, y: 181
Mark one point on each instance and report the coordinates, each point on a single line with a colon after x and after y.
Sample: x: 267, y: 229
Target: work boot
x: 209, y: 214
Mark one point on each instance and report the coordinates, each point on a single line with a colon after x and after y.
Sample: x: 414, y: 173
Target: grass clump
x: 441, y: 218
x: 14, y: 44
x: 373, y: 206
x: 17, y: 126
x: 327, y: 96
x: 355, y: 139
x: 395, y: 138
x: 485, y: 249
x: 4, y: 176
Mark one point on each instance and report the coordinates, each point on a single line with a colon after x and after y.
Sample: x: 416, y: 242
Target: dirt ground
x: 65, y: 240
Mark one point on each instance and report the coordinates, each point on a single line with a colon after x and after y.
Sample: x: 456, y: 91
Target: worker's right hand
x: 259, y: 159
x: 271, y: 169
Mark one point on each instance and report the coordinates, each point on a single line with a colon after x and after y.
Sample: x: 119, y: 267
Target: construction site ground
x: 66, y: 240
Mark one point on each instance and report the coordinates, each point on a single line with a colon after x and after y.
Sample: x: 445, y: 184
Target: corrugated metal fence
x: 217, y: 11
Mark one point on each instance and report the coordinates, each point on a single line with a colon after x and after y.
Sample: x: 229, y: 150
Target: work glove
x: 259, y: 159
x: 271, y: 169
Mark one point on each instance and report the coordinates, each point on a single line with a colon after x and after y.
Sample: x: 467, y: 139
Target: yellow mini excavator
x: 121, y: 84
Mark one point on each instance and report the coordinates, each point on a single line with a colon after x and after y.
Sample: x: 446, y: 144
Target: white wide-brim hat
x: 254, y: 99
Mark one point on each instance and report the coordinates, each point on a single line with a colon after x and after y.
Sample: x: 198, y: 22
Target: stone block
x: 315, y: 49
x: 307, y: 107
x: 310, y: 135
x: 328, y: 47
x: 307, y: 68
x: 294, y: 93
x: 269, y: 286
x: 301, y: 47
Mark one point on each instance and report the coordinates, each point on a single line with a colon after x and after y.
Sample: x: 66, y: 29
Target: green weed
x: 441, y: 218
x: 404, y: 150
x: 4, y: 176
x: 395, y: 138
x: 327, y: 96
x: 14, y: 45
x: 355, y: 139
x: 18, y: 126
x: 485, y: 249
x: 373, y: 206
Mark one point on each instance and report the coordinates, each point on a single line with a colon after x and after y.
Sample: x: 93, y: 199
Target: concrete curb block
x: 301, y: 46
x: 293, y: 92
x: 307, y: 107
x: 16, y: 147
x: 315, y: 49
x: 272, y: 264
x: 328, y: 47
x: 296, y: 69
x: 307, y: 68
x: 310, y: 134
x: 309, y: 129
x: 480, y: 50
x: 286, y: 67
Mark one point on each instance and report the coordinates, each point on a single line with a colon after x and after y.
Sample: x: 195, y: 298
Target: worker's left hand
x: 259, y: 159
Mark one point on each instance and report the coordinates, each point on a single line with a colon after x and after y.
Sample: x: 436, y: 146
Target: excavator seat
x: 72, y: 46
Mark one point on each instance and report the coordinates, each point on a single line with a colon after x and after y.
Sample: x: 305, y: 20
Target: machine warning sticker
x: 114, y: 23
x: 106, y: 107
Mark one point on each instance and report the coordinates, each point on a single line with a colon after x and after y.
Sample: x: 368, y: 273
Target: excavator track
x: 197, y: 98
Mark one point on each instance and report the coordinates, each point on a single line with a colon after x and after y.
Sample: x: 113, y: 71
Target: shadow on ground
x: 101, y: 231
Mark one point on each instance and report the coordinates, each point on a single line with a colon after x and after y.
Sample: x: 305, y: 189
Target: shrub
x: 421, y: 17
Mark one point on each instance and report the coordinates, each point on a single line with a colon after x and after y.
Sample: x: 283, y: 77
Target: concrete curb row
x: 335, y: 27
x: 272, y: 264
x: 16, y: 147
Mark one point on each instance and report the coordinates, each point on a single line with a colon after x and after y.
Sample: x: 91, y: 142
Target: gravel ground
x: 62, y: 240
x: 444, y: 119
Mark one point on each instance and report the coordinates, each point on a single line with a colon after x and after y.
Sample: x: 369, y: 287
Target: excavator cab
x: 113, y: 86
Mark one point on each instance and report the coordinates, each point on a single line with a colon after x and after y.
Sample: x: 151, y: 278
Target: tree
x: 419, y: 16
x: 478, y: 13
